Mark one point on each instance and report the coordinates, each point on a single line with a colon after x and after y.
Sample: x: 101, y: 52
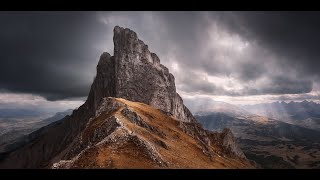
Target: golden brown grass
x: 180, y: 150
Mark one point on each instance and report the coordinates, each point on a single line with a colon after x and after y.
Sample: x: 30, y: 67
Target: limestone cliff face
x: 134, y: 73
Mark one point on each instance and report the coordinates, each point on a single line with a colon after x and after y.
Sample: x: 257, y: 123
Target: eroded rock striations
x: 135, y: 74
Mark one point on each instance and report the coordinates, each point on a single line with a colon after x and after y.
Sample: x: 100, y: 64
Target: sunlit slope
x: 127, y: 134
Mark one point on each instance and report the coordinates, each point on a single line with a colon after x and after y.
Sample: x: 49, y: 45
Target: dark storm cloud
x: 198, y: 85
x: 275, y: 86
x: 49, y: 53
x: 294, y: 35
x: 282, y: 85
x: 208, y: 42
x: 284, y: 50
x: 54, y: 54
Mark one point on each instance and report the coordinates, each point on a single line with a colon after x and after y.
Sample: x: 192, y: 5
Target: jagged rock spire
x: 136, y: 74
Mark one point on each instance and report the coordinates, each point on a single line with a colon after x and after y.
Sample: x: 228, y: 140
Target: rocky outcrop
x: 136, y: 74
x: 136, y: 119
x: 228, y: 142
x: 225, y: 140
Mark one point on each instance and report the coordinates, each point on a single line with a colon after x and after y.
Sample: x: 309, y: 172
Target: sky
x: 48, y: 59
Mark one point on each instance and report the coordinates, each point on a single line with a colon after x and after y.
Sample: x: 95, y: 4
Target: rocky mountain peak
x: 132, y: 112
x: 136, y: 74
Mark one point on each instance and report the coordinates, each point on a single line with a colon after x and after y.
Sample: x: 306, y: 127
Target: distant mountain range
x: 17, y: 129
x: 305, y: 113
x: 206, y: 106
x: 269, y: 142
x: 21, y: 113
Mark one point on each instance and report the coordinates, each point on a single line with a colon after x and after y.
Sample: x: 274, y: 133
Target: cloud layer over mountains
x: 238, y: 54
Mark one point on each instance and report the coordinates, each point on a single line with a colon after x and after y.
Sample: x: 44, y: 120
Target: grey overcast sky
x: 49, y: 58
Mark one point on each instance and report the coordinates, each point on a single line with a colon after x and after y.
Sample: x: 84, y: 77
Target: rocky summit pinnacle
x: 136, y: 74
